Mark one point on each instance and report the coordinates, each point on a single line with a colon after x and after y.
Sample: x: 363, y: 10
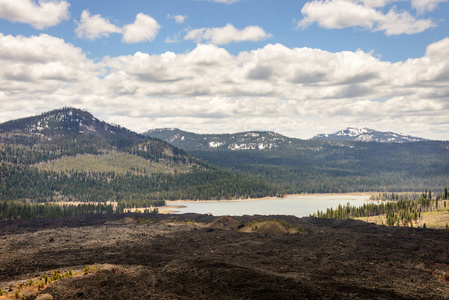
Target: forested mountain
x: 67, y: 122
x: 355, y: 134
x: 262, y: 140
x: 315, y: 166
x: 251, y: 140
x: 71, y: 131
x: 68, y: 154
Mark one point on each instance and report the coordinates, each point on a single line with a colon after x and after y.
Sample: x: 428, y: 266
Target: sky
x: 299, y: 68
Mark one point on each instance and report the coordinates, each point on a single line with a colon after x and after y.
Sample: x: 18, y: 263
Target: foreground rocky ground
x: 181, y: 257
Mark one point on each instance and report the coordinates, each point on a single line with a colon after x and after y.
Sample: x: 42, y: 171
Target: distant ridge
x: 250, y: 140
x: 269, y: 140
x: 354, y: 159
x: 68, y: 154
x: 358, y: 134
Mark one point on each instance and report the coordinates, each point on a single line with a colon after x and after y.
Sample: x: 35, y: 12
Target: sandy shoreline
x: 269, y: 198
x: 173, y: 205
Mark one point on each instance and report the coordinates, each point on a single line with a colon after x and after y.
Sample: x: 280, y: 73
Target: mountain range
x: 268, y: 140
x: 354, y: 159
x: 68, y: 154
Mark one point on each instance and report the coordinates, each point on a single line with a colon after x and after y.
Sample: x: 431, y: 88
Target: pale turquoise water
x: 300, y: 206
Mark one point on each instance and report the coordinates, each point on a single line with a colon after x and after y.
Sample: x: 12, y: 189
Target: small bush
x: 55, y: 276
x: 86, y: 270
x: 68, y: 274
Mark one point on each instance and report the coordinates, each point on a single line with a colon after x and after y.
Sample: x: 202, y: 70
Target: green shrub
x: 86, y: 270
x: 56, y: 276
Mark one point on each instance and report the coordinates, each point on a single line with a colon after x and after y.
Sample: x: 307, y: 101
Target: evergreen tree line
x: 324, y: 167
x: 159, y: 151
x: 24, y: 182
x: 122, y: 205
x: 12, y: 210
x: 45, y: 152
x: 397, y: 212
x: 395, y: 196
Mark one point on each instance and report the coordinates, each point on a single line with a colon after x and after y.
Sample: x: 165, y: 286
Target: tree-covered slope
x: 68, y: 154
x: 330, y: 168
x: 71, y: 131
x: 314, y: 166
x: 251, y: 140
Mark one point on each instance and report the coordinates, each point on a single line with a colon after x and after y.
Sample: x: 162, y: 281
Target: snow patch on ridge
x: 363, y: 134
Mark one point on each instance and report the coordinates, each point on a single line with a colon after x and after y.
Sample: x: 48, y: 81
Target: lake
x: 296, y: 205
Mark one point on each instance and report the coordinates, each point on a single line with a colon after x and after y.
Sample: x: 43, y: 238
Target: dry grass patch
x: 120, y: 163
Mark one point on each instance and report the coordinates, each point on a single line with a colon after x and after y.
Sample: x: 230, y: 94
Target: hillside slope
x: 326, y: 166
x: 251, y: 140
x: 68, y: 154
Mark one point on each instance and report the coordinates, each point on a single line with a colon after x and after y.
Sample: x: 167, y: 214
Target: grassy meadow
x: 437, y: 219
x: 120, y: 163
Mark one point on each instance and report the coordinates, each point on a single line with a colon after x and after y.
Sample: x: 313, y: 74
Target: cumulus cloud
x: 426, y: 5
x: 227, y: 34
x: 41, y: 14
x: 93, y: 27
x: 290, y: 90
x: 179, y: 19
x: 41, y: 72
x: 366, y: 14
x: 144, y: 28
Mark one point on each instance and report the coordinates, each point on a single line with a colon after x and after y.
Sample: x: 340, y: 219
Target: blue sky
x: 296, y: 67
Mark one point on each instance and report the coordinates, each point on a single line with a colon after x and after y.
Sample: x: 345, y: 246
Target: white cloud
x: 227, y: 34
x: 41, y: 72
x: 364, y: 13
x: 290, y: 90
x: 144, y: 29
x: 394, y: 23
x: 179, y: 19
x: 426, y: 5
x: 93, y: 27
x: 40, y: 15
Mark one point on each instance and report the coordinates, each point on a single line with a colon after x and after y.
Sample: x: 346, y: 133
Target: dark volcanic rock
x: 167, y: 257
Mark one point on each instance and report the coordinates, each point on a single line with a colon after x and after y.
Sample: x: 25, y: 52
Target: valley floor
x: 144, y: 256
